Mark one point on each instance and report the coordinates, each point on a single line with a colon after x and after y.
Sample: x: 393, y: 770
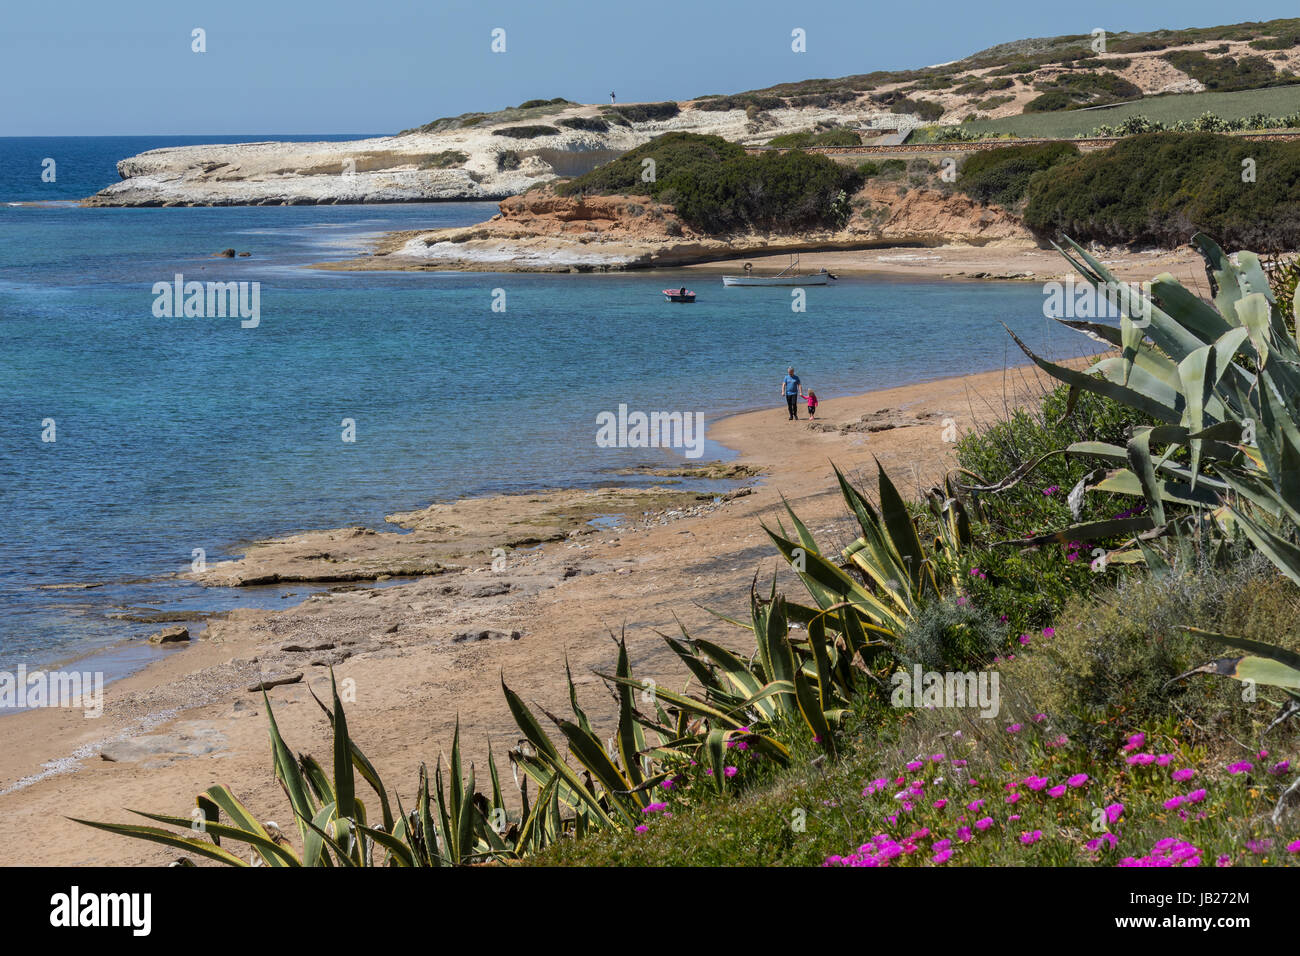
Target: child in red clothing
x: 811, y: 398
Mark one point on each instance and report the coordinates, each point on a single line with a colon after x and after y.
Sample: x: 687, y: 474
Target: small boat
x: 787, y: 276
x: 680, y: 295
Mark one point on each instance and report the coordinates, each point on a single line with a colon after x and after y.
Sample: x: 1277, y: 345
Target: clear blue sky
x: 91, y: 67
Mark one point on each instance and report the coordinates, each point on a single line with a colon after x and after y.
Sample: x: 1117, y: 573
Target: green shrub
x: 950, y: 634
x: 1226, y: 73
x: 1072, y: 90
x: 530, y: 104
x: 642, y: 112
x: 1284, y: 41
x: 445, y: 159
x: 1115, y: 653
x: 507, y: 159
x: 525, y: 132
x: 832, y: 137
x: 868, y: 169
x: 1002, y: 175
x: 926, y: 109
x: 740, y: 101
x: 717, y: 188
x: 1162, y: 188
x: 591, y: 124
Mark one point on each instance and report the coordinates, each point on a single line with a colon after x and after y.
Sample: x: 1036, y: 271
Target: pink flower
x: 975, y: 805
x: 730, y: 771
x: 964, y: 834
x: 1035, y: 783
x: 1224, y: 860
x: 915, y: 765
x: 1078, y: 780
x: 1013, y: 797
x: 1293, y: 846
x: 1196, y: 796
x: 983, y: 823
x: 1164, y: 760
x: 1014, y: 729
x: 642, y: 828
x: 939, y: 804
x: 1173, y: 803
x: 1039, y: 718
x: 1134, y: 743
x: 1024, y: 639
x: 1186, y: 773
x: 1241, y: 766
x: 1107, y: 838
x: 1141, y: 760
x: 1280, y: 767
x: 1028, y: 838
x: 1049, y: 632
x: 1114, y: 811
x: 937, y: 758
x: 1057, y: 791
x: 654, y: 807
x: 943, y: 856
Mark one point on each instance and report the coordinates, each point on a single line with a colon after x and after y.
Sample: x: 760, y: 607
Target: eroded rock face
x: 543, y: 231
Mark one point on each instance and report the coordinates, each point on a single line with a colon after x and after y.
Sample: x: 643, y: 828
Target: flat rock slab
x: 190, y: 738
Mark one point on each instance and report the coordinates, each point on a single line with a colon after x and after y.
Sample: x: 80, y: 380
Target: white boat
x: 787, y: 276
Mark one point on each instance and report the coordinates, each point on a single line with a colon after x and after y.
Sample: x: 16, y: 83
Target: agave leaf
x: 288, y: 774
x: 829, y: 585
x: 1124, y: 482
x: 167, y: 838
x: 1189, y: 309
x: 528, y: 723
x: 1092, y: 531
x: 1101, y: 386
x: 903, y: 536
x: 1139, y: 456
x: 271, y: 852
x: 313, y: 851
x: 398, y: 851
x: 1272, y: 651
x: 813, y: 715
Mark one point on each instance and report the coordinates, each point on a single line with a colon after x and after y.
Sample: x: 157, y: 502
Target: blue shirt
x: 792, y: 384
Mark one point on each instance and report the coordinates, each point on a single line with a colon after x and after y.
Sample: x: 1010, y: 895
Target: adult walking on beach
x: 790, y: 389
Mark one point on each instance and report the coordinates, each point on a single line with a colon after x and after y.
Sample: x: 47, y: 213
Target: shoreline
x: 426, y: 652
x: 131, y: 656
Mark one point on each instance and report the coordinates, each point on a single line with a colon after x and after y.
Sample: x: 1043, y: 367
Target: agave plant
x: 331, y: 818
x: 1224, y: 381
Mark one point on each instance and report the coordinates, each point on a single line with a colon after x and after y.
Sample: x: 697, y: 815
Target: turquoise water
x: 182, y: 433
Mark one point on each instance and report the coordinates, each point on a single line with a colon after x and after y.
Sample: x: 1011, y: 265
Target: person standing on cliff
x: 611, y: 98
x: 790, y: 389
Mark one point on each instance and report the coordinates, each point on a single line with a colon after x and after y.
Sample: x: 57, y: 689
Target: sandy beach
x: 424, y: 652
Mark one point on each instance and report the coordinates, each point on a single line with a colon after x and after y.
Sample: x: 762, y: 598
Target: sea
x: 134, y: 440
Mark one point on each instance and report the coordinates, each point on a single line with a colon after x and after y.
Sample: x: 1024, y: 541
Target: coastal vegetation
x: 1167, y: 110
x: 1094, y: 556
x: 1002, y: 175
x: 717, y: 188
x: 1160, y: 188
x: 525, y: 132
x: 830, y: 137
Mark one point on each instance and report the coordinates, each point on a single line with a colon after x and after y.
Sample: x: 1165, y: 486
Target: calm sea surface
x: 174, y: 434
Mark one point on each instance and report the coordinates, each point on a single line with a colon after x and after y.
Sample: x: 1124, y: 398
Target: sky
x: 88, y: 67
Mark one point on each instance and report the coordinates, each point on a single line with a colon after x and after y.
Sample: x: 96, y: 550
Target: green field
x: 1275, y: 101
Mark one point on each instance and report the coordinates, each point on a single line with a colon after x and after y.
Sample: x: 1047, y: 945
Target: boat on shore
x: 680, y: 295
x: 788, y: 276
